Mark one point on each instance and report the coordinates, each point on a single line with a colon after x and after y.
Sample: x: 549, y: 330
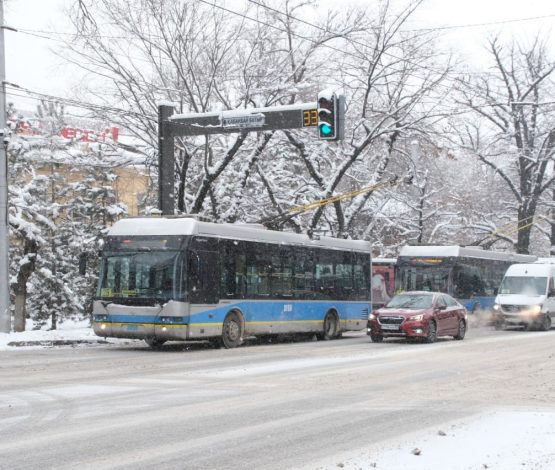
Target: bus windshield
x: 141, y: 275
x: 425, y: 278
x: 524, y: 285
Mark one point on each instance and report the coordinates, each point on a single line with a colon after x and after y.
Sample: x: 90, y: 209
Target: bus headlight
x: 496, y: 307
x: 417, y: 317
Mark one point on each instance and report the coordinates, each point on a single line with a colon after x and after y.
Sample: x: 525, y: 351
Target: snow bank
x: 68, y: 331
x: 502, y: 439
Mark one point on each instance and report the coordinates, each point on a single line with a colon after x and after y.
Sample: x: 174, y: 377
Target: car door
x: 455, y: 311
x: 441, y: 314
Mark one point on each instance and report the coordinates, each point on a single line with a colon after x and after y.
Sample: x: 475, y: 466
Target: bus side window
x: 240, y: 275
x: 193, y: 271
x: 228, y: 280
x: 303, y: 275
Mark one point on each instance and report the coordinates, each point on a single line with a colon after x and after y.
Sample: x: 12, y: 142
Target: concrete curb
x: 56, y: 342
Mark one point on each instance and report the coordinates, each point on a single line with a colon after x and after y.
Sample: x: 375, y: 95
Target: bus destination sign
x: 427, y: 261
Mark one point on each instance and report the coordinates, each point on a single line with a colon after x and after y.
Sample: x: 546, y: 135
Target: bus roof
x: 144, y: 226
x: 463, y: 251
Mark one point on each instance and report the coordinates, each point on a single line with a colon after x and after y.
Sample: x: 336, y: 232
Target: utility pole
x: 5, y: 315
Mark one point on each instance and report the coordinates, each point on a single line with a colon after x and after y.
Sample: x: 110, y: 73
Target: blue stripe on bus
x: 262, y: 311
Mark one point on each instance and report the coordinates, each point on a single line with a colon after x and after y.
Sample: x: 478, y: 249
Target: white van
x: 527, y: 296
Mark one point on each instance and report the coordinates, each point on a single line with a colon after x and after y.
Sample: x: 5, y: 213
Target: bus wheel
x: 232, y: 332
x: 330, y: 326
x: 545, y: 323
x: 432, y: 333
x: 155, y: 343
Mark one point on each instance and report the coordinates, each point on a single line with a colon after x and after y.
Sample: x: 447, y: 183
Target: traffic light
x: 327, y: 116
x: 331, y: 115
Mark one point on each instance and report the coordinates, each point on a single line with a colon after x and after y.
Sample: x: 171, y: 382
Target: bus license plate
x: 390, y: 327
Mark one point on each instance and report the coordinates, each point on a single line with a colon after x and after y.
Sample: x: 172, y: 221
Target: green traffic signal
x: 325, y: 129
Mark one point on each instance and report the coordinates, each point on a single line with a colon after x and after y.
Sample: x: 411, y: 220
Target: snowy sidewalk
x: 69, y: 333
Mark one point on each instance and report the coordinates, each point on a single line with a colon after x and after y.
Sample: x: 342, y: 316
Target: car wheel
x: 432, y: 333
x: 462, y: 330
x: 155, y: 343
x: 376, y: 338
x: 545, y: 323
x: 232, y: 331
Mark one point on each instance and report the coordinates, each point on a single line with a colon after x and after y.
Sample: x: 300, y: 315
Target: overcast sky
x: 31, y: 63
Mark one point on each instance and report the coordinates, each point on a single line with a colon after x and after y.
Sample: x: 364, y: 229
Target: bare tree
x: 201, y: 57
x: 515, y: 132
x: 387, y: 75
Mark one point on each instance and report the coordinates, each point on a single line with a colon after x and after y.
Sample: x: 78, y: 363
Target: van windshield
x: 524, y: 285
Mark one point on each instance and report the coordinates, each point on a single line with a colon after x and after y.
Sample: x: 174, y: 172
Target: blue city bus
x: 469, y: 274
x: 183, y: 279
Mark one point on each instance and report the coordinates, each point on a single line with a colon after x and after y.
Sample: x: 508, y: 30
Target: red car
x: 424, y: 315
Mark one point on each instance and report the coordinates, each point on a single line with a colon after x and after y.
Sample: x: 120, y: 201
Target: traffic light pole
x: 166, y: 161
x: 226, y: 122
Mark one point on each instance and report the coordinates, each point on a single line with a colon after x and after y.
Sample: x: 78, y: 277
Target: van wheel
x: 232, y: 331
x: 545, y: 323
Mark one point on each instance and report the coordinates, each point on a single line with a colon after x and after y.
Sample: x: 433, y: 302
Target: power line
x: 222, y: 77
x: 359, y: 57
x: 435, y: 28
x: 79, y: 104
x: 295, y: 18
x: 228, y: 77
x: 90, y: 106
x: 477, y: 25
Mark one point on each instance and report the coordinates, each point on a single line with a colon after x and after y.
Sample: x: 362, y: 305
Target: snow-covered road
x: 485, y: 402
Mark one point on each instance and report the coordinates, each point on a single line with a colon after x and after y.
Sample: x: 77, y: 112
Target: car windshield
x: 524, y: 285
x: 413, y: 302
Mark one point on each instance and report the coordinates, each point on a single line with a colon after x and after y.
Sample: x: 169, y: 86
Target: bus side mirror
x: 551, y: 293
x: 495, y: 291
x: 83, y: 264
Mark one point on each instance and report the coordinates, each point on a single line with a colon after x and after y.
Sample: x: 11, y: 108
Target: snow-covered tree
x: 60, y: 202
x: 512, y: 129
